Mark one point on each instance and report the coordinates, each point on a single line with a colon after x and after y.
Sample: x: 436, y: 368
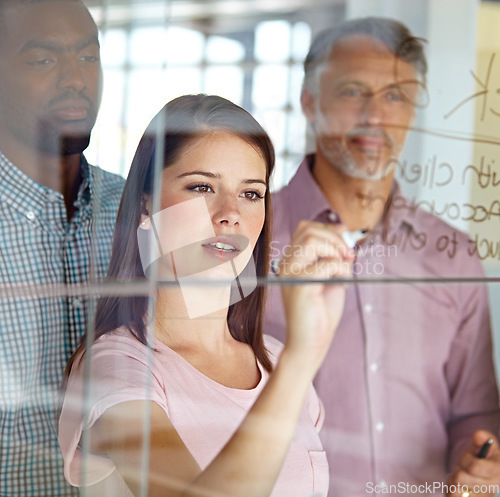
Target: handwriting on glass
x: 484, y: 93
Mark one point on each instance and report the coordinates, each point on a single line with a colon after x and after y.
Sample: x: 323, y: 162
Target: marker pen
x: 481, y: 454
x: 351, y: 238
x: 483, y: 451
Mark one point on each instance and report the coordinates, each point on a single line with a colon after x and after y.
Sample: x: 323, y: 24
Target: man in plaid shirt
x: 57, y: 218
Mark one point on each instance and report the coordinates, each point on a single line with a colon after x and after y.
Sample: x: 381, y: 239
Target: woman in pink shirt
x: 181, y: 394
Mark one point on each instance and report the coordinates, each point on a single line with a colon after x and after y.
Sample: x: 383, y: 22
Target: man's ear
x: 308, y: 106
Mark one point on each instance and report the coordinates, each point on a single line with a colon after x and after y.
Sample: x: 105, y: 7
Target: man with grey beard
x: 57, y: 216
x: 408, y: 386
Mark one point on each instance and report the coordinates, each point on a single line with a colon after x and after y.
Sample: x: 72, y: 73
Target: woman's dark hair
x: 180, y: 122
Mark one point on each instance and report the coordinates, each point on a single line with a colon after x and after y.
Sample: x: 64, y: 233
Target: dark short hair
x: 393, y: 34
x: 5, y: 3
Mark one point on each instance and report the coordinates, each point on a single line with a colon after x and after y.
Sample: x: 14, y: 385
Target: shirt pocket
x: 321, y: 477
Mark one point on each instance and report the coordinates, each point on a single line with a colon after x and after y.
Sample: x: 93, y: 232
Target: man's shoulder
x: 300, y: 183
x: 445, y: 249
x: 300, y: 198
x: 280, y: 200
x: 106, y: 185
x: 282, y: 211
x: 423, y: 220
x: 107, y: 179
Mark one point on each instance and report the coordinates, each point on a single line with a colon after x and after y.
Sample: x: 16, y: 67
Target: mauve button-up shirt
x: 410, y: 373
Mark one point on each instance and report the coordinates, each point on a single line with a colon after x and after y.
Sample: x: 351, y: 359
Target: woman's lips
x: 224, y: 247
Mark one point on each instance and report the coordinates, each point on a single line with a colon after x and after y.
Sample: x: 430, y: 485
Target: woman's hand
x: 313, y: 311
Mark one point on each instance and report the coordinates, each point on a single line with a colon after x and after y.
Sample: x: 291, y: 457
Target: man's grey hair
x: 394, y: 34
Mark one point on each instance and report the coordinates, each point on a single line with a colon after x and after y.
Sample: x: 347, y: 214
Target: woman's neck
x: 205, y: 341
x: 183, y: 318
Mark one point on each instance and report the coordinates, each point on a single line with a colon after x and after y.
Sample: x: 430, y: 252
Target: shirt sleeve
x: 120, y: 371
x: 470, y: 372
x: 315, y: 408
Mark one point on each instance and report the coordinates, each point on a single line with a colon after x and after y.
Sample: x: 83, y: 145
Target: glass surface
x: 409, y: 280
x: 224, y: 50
x: 272, y: 41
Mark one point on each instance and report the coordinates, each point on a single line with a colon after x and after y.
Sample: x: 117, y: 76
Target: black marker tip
x: 483, y: 451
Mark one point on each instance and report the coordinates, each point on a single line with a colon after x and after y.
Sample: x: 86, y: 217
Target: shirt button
x: 51, y: 196
x: 368, y: 308
x: 379, y: 426
x: 275, y: 266
x: 77, y: 303
x: 333, y: 217
x: 373, y: 367
x: 30, y: 215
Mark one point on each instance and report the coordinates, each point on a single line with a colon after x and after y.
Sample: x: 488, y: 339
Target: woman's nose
x: 226, y: 211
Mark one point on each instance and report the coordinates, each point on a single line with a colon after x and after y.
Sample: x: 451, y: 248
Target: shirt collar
x: 399, y: 214
x: 308, y: 199
x: 26, y: 195
x: 310, y: 202
x: 87, y: 188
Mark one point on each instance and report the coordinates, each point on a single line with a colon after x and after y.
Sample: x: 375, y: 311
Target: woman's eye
x: 252, y: 195
x: 201, y: 188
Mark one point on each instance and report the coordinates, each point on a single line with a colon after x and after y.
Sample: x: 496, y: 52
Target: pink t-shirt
x: 205, y: 413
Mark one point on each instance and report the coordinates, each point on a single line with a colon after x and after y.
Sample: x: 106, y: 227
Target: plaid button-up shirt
x: 39, y: 329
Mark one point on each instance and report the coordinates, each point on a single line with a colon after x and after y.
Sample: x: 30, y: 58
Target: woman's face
x: 212, y: 206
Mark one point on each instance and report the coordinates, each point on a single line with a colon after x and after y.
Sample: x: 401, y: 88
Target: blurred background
x: 251, y: 51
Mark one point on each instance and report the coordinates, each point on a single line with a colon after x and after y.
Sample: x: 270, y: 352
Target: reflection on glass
x: 275, y: 123
x: 113, y: 47
x: 221, y: 49
x: 145, y: 46
x: 272, y: 41
x: 295, y: 82
x: 301, y: 39
x: 225, y: 80
x: 270, y: 86
x: 295, y: 133
x: 183, y: 46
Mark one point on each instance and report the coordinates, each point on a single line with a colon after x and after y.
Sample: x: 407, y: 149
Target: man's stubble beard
x: 341, y: 159
x: 53, y: 142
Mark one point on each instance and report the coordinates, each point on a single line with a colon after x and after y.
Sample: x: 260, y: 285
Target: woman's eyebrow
x: 218, y: 176
x: 201, y: 173
x: 249, y: 181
